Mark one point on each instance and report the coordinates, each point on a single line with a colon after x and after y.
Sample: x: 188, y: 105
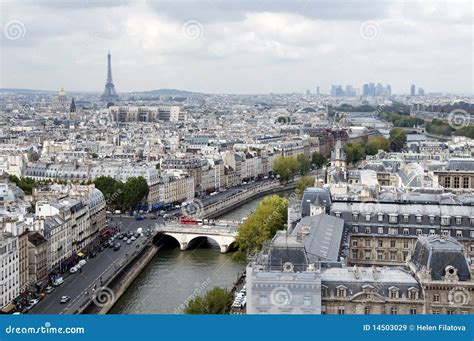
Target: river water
x: 173, y: 277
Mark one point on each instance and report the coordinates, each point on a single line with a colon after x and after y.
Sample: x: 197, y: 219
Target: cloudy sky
x: 237, y: 46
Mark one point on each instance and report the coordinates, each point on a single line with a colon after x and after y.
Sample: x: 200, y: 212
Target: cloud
x: 238, y: 46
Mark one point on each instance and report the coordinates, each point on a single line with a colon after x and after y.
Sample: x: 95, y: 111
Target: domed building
x: 440, y: 266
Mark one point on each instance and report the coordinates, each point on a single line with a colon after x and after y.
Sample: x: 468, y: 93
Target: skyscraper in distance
x: 109, y: 94
x: 412, y: 90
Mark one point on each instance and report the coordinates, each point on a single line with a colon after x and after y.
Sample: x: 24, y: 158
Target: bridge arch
x: 188, y: 240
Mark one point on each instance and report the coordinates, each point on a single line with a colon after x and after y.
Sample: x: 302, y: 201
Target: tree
x: 303, y: 164
x: 305, y: 181
x: 25, y: 184
x: 107, y: 185
x: 397, y: 139
x: 269, y: 217
x: 216, y: 301
x: 378, y: 143
x: 318, y: 159
x: 286, y: 167
x: 135, y: 191
x: 354, y: 152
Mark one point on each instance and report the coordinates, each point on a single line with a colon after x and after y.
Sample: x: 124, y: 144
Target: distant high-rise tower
x: 412, y: 90
x: 109, y: 94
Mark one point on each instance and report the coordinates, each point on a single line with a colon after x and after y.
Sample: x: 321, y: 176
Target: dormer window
x: 432, y: 219
x: 393, y: 218
x: 419, y: 219
x: 394, y: 292
x: 406, y: 218
x: 355, y: 216
x: 413, y: 293
x: 445, y: 220
x: 367, y: 217
x: 380, y: 217
x: 341, y: 291
x: 458, y: 220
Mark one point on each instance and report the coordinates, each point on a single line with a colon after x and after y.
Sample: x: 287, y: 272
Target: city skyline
x: 239, y: 48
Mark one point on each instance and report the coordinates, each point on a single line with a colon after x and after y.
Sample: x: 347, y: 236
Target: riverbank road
x: 80, y: 285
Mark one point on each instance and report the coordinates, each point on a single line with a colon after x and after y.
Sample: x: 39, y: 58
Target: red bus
x: 188, y: 221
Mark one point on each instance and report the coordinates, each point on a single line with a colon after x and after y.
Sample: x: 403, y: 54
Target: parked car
x: 139, y: 217
x: 33, y: 302
x: 64, y: 299
x: 58, y: 281
x: 133, y: 238
x: 117, y: 246
x: 73, y: 270
x: 129, y: 242
x: 49, y: 289
x: 92, y: 254
x: 82, y: 262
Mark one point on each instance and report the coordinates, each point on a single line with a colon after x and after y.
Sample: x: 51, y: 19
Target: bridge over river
x: 222, y: 232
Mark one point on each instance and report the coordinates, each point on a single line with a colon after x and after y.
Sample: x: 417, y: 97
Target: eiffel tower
x: 109, y: 94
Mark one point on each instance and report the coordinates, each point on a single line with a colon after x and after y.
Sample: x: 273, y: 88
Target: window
x: 445, y: 233
x: 471, y: 233
x: 380, y: 217
x: 456, y: 182
x: 419, y: 232
x: 436, y: 298
x: 435, y: 311
x: 419, y: 219
x: 459, y: 233
x: 392, y: 243
x: 458, y: 220
x: 367, y: 310
x: 445, y: 220
x: 393, y: 218
x: 432, y: 219
x: 471, y: 220
x: 367, y: 217
x: 405, y: 244
x: 406, y: 218
x: 263, y: 300
x: 380, y: 230
x: 379, y: 255
x: 367, y: 230
x: 394, y: 310
x: 367, y: 255
x: 432, y: 232
x: 337, y: 214
x: 406, y: 231
x: 394, y: 293
x: 355, y: 254
x: 465, y: 182
x: 405, y: 255
x: 355, y: 228
x: 392, y: 230
x: 447, y: 182
x: 412, y: 311
x: 341, y: 291
x: 354, y: 242
x: 341, y: 311
x: 393, y: 256
x: 355, y: 216
x: 450, y: 311
x: 413, y: 294
x: 307, y: 301
x: 380, y: 243
x: 367, y: 243
x: 324, y: 291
